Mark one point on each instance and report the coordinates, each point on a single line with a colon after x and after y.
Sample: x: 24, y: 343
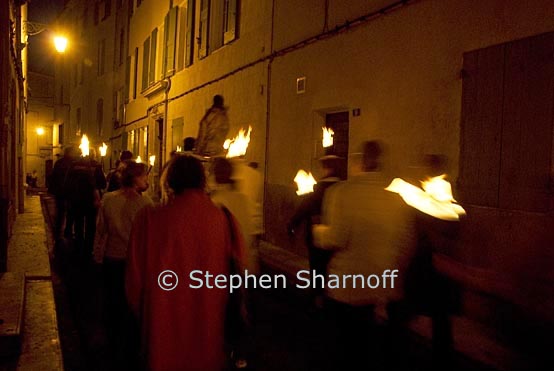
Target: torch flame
x: 179, y: 149
x: 103, y: 149
x: 152, y: 160
x: 327, y: 137
x: 305, y: 182
x: 138, y: 160
x: 84, y: 145
x: 434, y: 199
x: 237, y: 147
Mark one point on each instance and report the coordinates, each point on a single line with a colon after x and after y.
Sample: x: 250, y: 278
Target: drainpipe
x: 268, y: 112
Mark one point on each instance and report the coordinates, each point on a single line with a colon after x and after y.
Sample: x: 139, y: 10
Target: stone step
x: 12, y: 305
x: 41, y: 348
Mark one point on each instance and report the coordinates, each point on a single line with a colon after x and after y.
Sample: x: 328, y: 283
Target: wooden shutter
x: 145, y: 62
x: 170, y: 32
x: 481, y: 125
x: 153, y: 47
x: 204, y: 26
x: 127, y: 78
x: 231, y: 21
x: 189, y: 51
x: 135, y: 74
x: 527, y: 124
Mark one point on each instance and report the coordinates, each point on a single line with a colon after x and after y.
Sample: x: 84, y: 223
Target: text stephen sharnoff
x: 200, y: 279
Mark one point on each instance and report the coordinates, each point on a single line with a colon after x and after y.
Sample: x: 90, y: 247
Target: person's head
x: 189, y: 144
x: 134, y: 175
x: 71, y: 152
x: 126, y: 155
x: 435, y: 164
x: 218, y: 101
x: 372, y: 151
x: 185, y: 173
x: 223, y: 170
x: 92, y: 153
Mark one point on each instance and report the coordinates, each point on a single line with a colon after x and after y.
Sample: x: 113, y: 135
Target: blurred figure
x: 182, y: 329
x: 114, y: 176
x: 57, y: 188
x: 32, y: 179
x: 213, y: 129
x: 225, y: 194
x: 427, y: 292
x: 115, y: 219
x: 309, y: 213
x: 188, y: 144
x: 85, y: 182
x: 368, y: 230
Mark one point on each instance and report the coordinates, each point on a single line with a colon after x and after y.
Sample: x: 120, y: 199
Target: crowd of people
x: 352, y: 227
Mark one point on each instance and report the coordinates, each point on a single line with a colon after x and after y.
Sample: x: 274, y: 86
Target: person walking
x: 182, y: 328
x: 115, y: 219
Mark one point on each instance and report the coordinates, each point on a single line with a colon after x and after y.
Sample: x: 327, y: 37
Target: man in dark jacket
x: 85, y: 182
x: 309, y: 213
x: 56, y: 187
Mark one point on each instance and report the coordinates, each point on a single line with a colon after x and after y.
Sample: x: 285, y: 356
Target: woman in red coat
x: 182, y: 328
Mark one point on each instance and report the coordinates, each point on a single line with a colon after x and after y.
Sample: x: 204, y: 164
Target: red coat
x: 181, y: 329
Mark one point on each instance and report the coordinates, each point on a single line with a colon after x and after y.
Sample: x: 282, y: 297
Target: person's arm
x: 333, y: 233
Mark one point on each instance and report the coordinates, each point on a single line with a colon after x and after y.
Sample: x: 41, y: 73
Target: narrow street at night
x: 276, y: 185
x: 288, y: 333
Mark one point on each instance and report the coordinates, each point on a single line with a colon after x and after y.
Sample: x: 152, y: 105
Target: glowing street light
x: 60, y: 43
x: 40, y: 131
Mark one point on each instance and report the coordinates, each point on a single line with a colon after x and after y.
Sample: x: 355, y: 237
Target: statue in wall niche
x: 213, y: 129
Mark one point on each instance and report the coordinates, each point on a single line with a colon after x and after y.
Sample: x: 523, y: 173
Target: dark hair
x: 371, y: 153
x: 218, y: 101
x: 188, y: 144
x: 223, y: 169
x: 185, y: 172
x: 126, y: 155
x: 131, y: 170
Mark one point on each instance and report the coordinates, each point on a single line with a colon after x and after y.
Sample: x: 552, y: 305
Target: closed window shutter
x: 170, y: 33
x: 135, y: 74
x: 127, y: 78
x: 189, y: 49
x: 231, y: 15
x: 145, y: 61
x: 204, y: 26
x: 153, y: 44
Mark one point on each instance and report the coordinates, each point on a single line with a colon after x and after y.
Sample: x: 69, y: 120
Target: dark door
x: 339, y: 123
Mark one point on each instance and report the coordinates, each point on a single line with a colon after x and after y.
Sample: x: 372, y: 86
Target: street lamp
x: 40, y: 132
x: 35, y: 28
x: 60, y: 43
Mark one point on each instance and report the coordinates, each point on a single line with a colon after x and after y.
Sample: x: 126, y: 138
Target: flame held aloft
x: 237, y: 147
x: 305, y: 182
x: 84, y: 146
x: 179, y: 149
x: 327, y: 140
x: 152, y: 160
x: 103, y: 149
x: 138, y: 160
x: 434, y: 199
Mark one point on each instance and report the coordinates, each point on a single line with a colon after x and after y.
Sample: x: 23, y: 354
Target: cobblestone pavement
x: 287, y: 333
